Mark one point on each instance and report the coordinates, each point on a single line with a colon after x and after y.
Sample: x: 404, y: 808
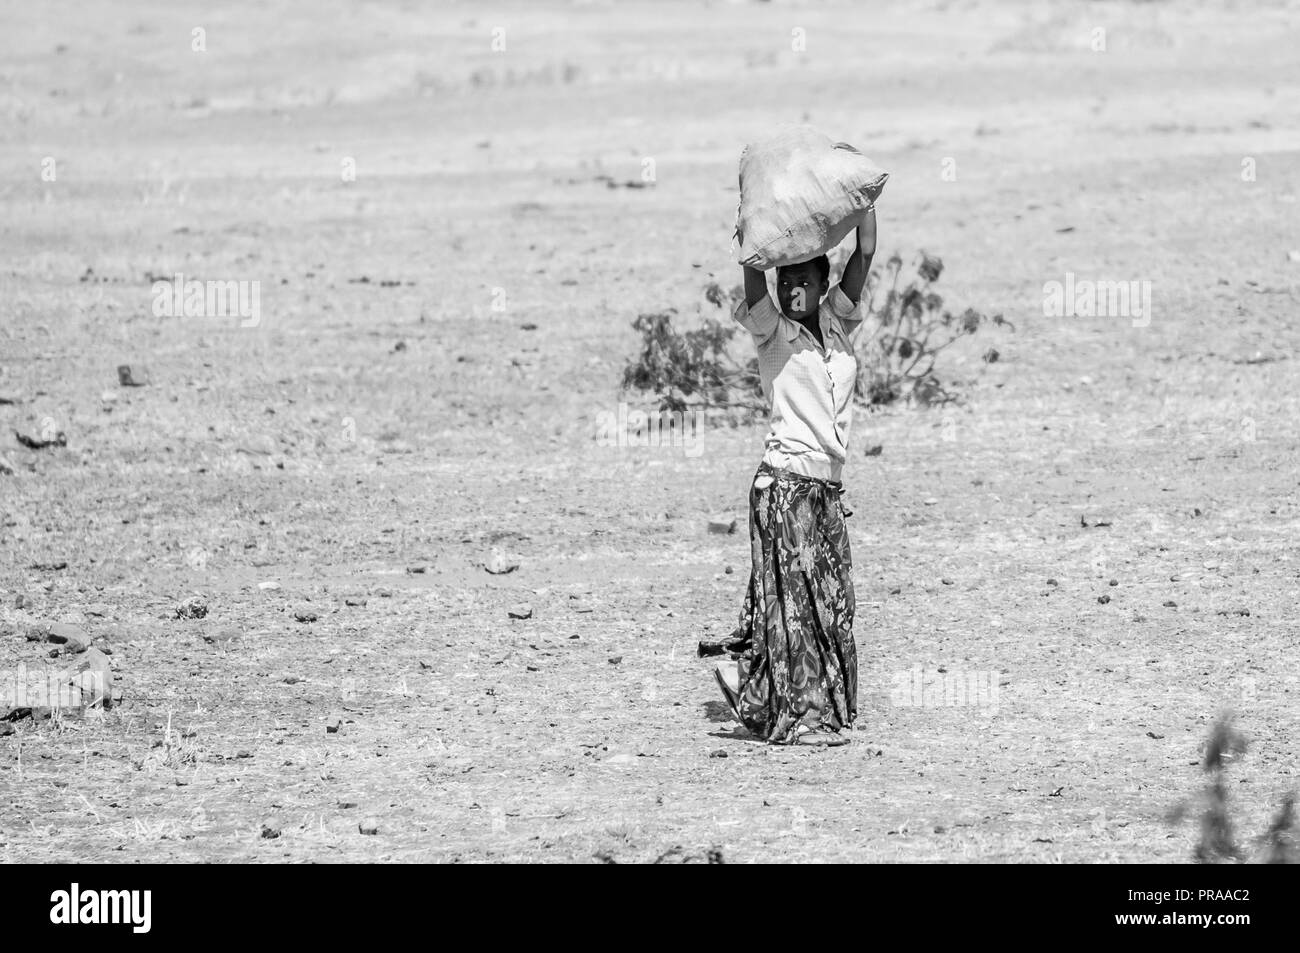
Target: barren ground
x: 314, y: 452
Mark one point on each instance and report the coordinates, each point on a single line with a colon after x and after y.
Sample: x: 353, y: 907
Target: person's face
x: 799, y: 289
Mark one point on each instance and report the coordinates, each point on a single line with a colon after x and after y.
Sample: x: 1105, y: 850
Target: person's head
x: 800, y: 288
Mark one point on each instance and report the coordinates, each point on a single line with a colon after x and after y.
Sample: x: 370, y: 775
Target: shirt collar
x: 792, y: 327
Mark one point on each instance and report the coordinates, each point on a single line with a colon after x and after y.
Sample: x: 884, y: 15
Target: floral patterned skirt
x: 798, y: 663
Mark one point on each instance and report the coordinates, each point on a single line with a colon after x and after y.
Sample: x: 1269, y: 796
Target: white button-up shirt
x: 810, y: 387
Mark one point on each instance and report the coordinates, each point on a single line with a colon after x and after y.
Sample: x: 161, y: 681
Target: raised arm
x: 755, y: 286
x: 859, y: 263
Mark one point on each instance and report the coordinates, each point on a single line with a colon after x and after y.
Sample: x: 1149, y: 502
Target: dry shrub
x: 907, y: 331
x: 907, y: 328
x: 1217, y: 843
x: 691, y: 369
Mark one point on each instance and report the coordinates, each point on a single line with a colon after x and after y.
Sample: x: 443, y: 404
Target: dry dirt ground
x: 440, y: 336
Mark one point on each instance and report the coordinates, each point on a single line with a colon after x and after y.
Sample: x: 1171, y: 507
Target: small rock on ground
x: 192, y: 608
x: 723, y: 525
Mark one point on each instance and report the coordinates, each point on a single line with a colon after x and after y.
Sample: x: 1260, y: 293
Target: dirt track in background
x: 384, y: 430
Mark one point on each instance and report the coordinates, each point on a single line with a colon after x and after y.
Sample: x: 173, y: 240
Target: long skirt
x: 798, y: 663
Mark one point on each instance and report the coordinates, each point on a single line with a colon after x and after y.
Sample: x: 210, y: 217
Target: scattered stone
x: 56, y: 633
x: 94, y: 678
x: 731, y: 643
x: 305, y: 614
x: 369, y: 826
x: 1052, y: 582
x: 9, y: 399
x: 129, y: 376
x: 55, y: 565
x: 332, y: 724
x: 896, y: 591
x: 1170, y: 604
x: 268, y: 586
x: 722, y: 525
x: 20, y: 601
x: 99, y: 609
x: 257, y: 447
x: 1113, y: 582
x: 417, y: 570
x: 6, y: 468
x: 719, y: 753
x: 728, y: 570
x: 269, y: 832
x: 524, y: 611
x: 108, y: 399
x: 223, y: 637
x: 346, y: 805
x: 58, y: 439
x: 875, y: 450
x: 192, y: 608
x: 1093, y: 520
x: 499, y: 565
x: 72, y: 639
x: 383, y: 592
x: 930, y: 500
x: 60, y: 632
x: 1103, y: 599
x: 946, y: 581
x: 355, y: 601
x: 615, y: 659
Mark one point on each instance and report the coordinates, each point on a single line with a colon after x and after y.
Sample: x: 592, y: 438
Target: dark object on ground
x: 192, y: 608
x: 59, y: 439
x: 129, y: 376
x: 732, y: 643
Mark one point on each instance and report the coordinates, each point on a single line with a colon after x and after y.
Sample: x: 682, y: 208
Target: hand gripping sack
x: 800, y: 194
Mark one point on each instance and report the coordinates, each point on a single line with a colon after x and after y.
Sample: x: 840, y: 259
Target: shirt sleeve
x: 842, y: 306
x: 760, y: 320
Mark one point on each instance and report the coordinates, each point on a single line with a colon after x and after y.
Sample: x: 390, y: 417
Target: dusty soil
x: 439, y: 337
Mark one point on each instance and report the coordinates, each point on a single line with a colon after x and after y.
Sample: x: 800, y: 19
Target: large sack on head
x: 800, y: 194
